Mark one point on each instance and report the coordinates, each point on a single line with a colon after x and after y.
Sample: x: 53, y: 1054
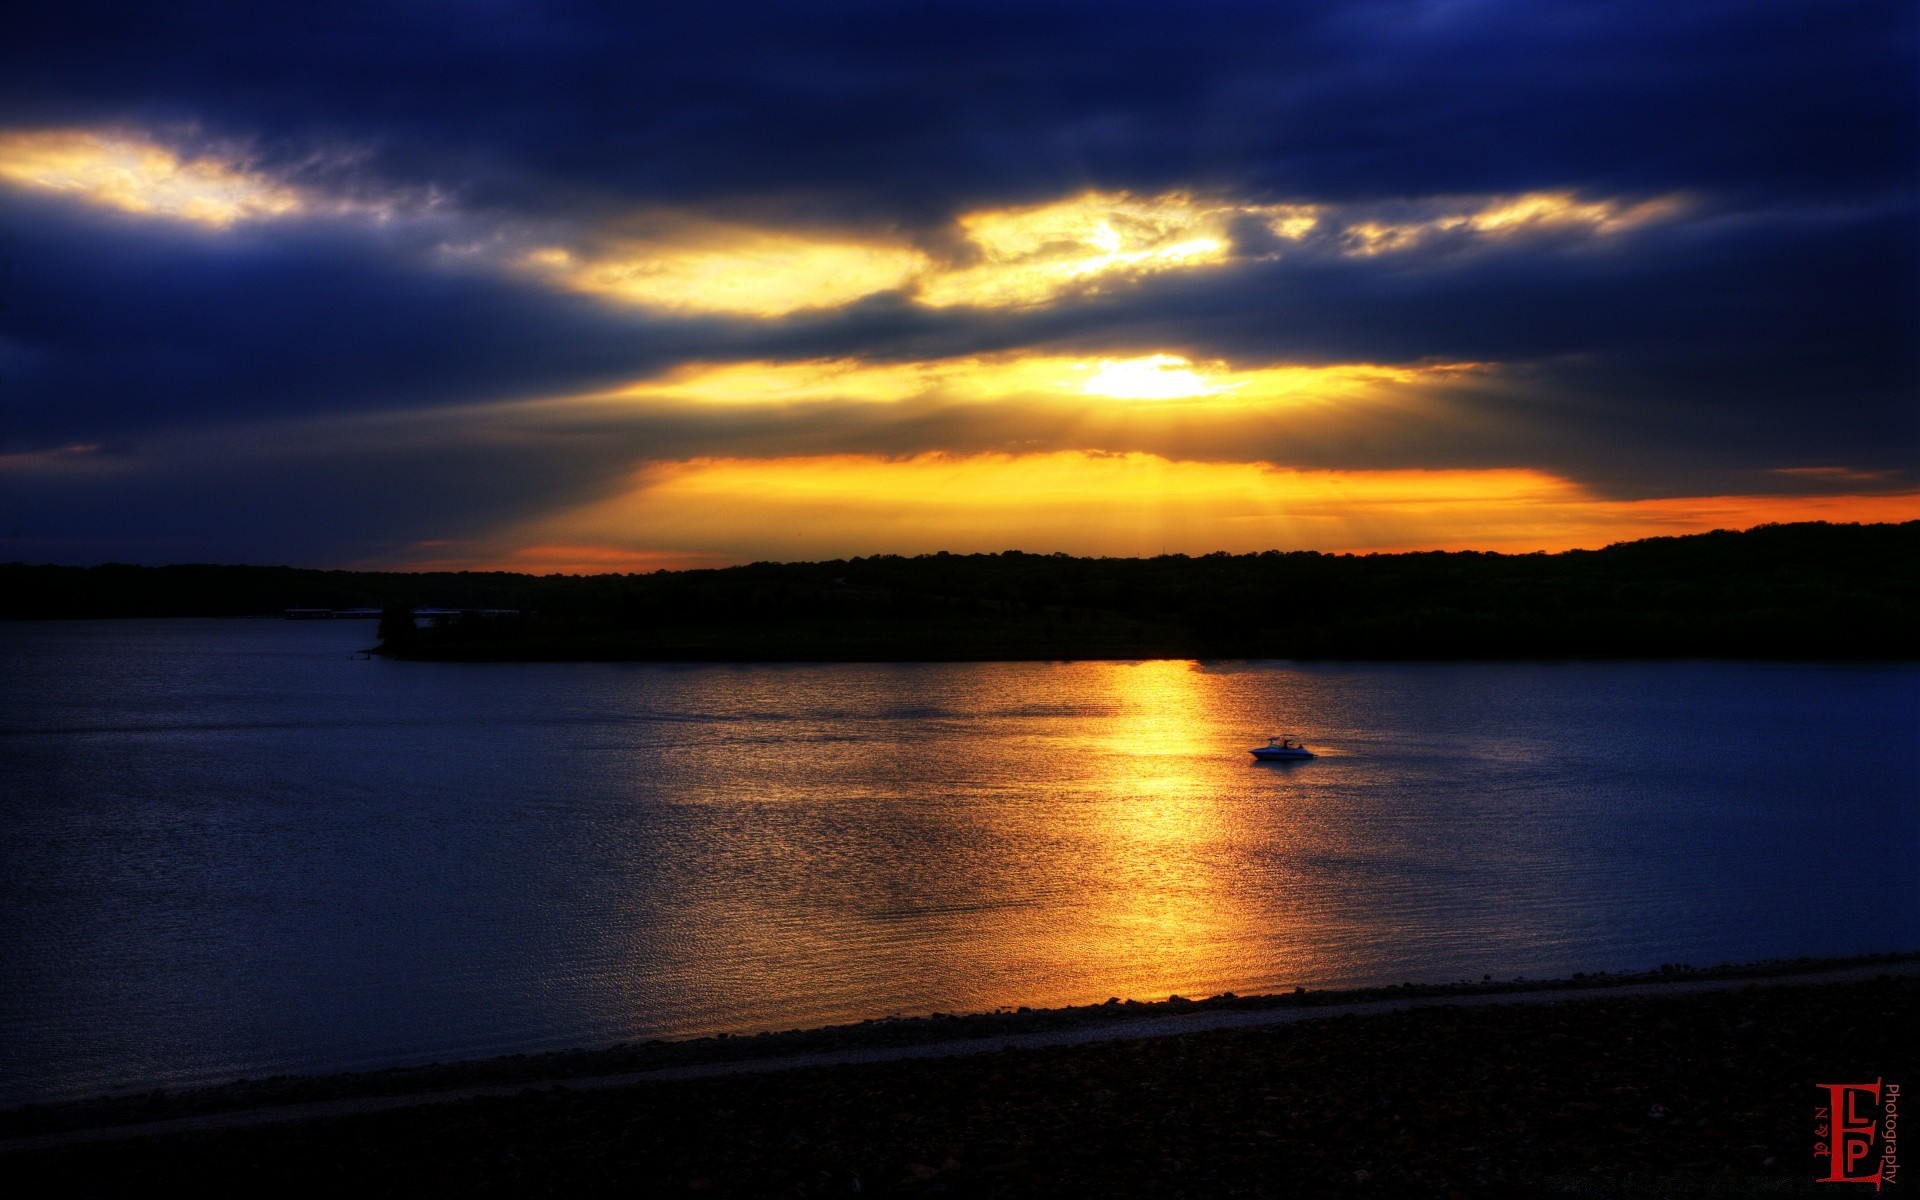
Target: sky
x: 471, y: 284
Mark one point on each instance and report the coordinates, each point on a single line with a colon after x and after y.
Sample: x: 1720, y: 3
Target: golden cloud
x: 1031, y: 255
x: 1022, y: 257
x: 1155, y: 378
x: 1009, y: 257
x: 743, y: 271
x: 993, y: 258
x: 1498, y: 218
x: 136, y: 175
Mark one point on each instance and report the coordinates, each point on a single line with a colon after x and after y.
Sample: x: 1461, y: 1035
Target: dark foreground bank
x: 1686, y: 1092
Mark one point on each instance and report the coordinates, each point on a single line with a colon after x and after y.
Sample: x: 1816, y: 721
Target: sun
x: 1154, y: 377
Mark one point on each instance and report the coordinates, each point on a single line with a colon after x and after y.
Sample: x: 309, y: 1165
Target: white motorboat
x: 1281, y: 749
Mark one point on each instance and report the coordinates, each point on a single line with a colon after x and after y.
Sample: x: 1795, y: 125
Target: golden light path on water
x: 1173, y: 914
x: 1101, y: 842
x: 1097, y: 829
x: 1090, y: 830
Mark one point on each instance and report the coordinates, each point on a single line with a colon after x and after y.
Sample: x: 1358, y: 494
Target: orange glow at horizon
x: 1132, y: 504
x: 560, y: 558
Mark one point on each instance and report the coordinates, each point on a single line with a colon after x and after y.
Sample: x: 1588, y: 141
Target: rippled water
x: 234, y: 848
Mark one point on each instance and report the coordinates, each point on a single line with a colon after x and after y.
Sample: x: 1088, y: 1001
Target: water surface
x: 235, y: 848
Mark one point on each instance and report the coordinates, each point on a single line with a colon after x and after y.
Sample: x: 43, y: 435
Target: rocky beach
x: 1675, y: 1082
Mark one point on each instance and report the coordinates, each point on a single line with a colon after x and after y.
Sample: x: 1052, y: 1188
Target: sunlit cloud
x: 1031, y: 255
x: 744, y: 271
x: 1157, y: 378
x: 1127, y: 504
x: 1003, y: 258
x: 217, y: 186
x: 1498, y: 218
x: 136, y: 175
x: 1290, y: 221
x: 685, y: 264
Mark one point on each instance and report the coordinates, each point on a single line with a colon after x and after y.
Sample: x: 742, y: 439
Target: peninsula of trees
x: 1804, y: 591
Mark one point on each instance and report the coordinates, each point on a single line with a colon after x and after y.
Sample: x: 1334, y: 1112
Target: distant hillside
x: 1778, y: 591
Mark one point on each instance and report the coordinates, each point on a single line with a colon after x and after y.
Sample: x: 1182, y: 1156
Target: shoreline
x: 246, y: 1102
x: 1679, y: 1088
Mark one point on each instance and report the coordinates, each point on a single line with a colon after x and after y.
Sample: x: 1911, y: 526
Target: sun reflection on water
x: 1157, y: 837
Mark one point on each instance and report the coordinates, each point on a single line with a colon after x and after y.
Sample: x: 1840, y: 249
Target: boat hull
x: 1276, y: 755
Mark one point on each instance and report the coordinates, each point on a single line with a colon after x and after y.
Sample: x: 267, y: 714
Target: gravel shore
x: 1682, y: 1093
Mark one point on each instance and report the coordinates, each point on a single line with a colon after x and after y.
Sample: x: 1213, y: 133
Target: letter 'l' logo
x: 1853, y: 1131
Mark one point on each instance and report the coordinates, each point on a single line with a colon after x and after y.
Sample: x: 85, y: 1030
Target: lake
x: 236, y: 848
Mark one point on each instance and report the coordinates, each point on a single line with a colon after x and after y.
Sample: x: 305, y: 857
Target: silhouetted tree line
x: 1779, y: 591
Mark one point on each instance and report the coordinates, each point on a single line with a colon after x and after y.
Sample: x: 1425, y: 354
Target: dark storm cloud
x: 118, y: 327
x: 888, y: 107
